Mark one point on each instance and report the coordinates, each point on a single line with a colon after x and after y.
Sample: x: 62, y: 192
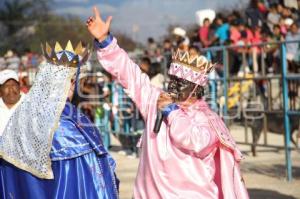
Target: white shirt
x: 158, y: 80
x: 6, y: 113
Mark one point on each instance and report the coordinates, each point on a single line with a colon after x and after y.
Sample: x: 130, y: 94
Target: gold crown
x: 68, y: 56
x: 197, y: 63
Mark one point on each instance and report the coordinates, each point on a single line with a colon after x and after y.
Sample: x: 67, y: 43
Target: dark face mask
x: 180, y: 89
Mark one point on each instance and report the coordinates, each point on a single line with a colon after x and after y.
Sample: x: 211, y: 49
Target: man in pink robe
x: 193, y: 156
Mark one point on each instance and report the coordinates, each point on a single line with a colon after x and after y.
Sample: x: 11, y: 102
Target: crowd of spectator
x: 268, y: 21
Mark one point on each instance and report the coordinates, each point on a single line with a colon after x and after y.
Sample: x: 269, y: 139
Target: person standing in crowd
x: 167, y: 52
x: 12, y: 61
x: 253, y: 14
x: 192, y: 154
x: 273, y: 17
x: 182, y: 40
x: 292, y: 49
x: 222, y: 31
x: 153, y: 71
x: 204, y: 31
x: 10, y: 96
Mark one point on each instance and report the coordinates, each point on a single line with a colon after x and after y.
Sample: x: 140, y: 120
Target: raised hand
x: 97, y: 26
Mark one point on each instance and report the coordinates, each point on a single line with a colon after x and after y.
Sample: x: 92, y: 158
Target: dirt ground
x: 264, y: 175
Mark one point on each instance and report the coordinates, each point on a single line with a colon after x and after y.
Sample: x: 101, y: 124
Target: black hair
x: 150, y: 40
x: 146, y: 60
x: 206, y: 19
x: 167, y: 41
x: 195, y: 48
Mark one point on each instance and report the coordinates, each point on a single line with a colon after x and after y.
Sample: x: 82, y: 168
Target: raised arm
x: 116, y: 61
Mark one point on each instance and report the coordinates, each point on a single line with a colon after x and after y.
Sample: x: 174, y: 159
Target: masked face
x: 180, y: 89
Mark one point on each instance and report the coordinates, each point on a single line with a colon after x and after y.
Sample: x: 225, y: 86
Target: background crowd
x: 105, y: 102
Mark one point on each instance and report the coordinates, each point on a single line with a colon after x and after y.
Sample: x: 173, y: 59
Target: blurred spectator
x: 204, y: 33
x: 157, y: 78
x: 273, y: 17
x: 293, y: 48
x: 194, y: 38
x: 29, y: 59
x: 24, y: 83
x: 151, y: 47
x: 153, y: 70
x: 193, y: 52
x: 2, y: 63
x: 279, y: 8
x: 11, y: 96
x: 272, y: 50
x: 145, y: 65
x: 12, y: 61
x: 167, y: 52
x: 283, y: 26
x: 262, y: 7
x: 286, y: 12
x: 222, y: 31
x: 182, y: 41
x: 254, y: 16
x: 235, y: 34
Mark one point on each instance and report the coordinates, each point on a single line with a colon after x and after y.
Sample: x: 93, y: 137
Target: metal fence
x: 284, y: 78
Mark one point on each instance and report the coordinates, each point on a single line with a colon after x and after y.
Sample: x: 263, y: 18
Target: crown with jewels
x: 68, y: 56
x: 194, y: 68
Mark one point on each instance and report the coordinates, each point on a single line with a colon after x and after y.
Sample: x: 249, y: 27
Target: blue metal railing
x: 285, y: 77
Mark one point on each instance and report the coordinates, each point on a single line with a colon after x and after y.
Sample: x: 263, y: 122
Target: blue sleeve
x: 105, y: 42
x: 217, y: 33
x: 168, y: 109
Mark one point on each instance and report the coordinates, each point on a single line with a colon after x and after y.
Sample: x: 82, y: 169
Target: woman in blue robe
x: 77, y: 166
x: 82, y: 167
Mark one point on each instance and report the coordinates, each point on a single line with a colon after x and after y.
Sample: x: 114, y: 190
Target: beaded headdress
x: 192, y: 68
x: 68, y: 56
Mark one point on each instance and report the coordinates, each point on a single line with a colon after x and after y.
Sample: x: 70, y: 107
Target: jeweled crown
x: 68, y: 56
x: 197, y: 63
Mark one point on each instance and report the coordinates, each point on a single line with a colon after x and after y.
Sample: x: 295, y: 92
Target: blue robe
x: 82, y: 167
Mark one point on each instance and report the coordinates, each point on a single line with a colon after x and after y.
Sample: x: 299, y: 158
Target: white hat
x: 288, y: 21
x: 179, y: 31
x: 206, y: 13
x: 8, y: 74
x: 8, y: 54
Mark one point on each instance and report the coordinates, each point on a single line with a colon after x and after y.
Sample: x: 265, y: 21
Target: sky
x: 141, y: 19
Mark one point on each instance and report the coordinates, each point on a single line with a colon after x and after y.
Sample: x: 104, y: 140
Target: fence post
x: 213, y: 87
x: 225, y: 82
x: 287, y: 137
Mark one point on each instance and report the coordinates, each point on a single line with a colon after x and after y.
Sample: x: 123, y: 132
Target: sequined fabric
x: 27, y: 139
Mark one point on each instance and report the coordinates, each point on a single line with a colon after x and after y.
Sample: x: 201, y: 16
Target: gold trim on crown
x: 68, y: 56
x: 197, y: 63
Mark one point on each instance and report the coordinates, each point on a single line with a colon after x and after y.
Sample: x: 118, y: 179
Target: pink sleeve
x: 116, y: 61
x: 190, y: 135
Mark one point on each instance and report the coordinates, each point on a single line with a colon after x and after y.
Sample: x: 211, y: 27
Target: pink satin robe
x: 192, y: 157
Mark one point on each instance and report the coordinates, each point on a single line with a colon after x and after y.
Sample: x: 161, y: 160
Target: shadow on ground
x: 267, y: 194
x: 275, y: 170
